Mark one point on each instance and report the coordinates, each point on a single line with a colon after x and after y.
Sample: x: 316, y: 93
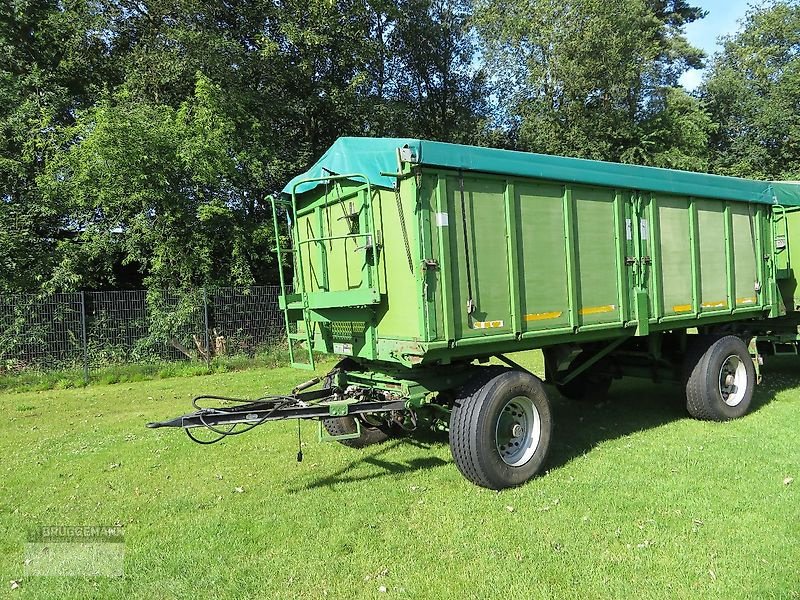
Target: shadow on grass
x: 636, y: 405
x: 377, y: 457
x: 633, y: 405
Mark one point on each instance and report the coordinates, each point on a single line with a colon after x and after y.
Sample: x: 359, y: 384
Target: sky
x: 721, y: 20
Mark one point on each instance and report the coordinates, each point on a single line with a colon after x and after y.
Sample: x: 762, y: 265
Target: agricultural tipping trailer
x: 417, y: 262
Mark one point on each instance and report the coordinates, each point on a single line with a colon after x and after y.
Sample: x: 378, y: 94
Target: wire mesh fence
x: 94, y: 329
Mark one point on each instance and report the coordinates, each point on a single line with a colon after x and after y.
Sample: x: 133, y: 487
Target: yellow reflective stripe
x: 682, y: 308
x: 543, y: 316
x: 596, y: 310
x: 750, y: 300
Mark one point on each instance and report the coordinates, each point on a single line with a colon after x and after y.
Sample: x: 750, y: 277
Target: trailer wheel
x: 500, y: 429
x: 721, y: 382
x: 370, y: 434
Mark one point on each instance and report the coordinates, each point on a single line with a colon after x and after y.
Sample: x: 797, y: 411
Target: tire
x: 500, y: 429
x: 590, y: 386
x: 335, y: 426
x: 721, y: 382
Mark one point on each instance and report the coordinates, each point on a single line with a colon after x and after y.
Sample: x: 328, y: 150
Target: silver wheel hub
x: 518, y: 430
x: 733, y: 380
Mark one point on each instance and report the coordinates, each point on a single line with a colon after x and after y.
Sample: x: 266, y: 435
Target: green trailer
x: 417, y: 262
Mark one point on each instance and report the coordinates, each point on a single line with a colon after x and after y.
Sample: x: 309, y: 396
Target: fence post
x: 83, y: 338
x: 205, y: 315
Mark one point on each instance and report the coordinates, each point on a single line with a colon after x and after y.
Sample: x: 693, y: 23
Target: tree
x: 593, y: 78
x: 146, y: 134
x: 753, y: 92
x: 154, y: 186
x: 443, y: 90
x: 51, y: 64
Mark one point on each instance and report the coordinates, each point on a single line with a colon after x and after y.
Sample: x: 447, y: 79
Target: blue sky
x: 721, y: 20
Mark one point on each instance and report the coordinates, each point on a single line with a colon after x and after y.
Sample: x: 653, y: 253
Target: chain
x: 403, y: 224
x: 470, y: 300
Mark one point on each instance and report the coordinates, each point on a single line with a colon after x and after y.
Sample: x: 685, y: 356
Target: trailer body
x: 469, y: 252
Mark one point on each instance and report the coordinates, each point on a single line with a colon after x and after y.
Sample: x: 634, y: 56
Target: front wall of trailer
x: 343, y: 264
x: 541, y: 258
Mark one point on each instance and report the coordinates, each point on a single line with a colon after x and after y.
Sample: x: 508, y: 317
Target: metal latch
x: 430, y: 263
x: 353, y: 214
x: 368, y: 245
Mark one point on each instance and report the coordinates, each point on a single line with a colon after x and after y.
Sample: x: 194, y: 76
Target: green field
x: 638, y: 501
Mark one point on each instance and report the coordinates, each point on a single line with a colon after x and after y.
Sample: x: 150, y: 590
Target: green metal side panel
x: 707, y: 258
x: 746, y: 254
x: 676, y: 255
x: 713, y: 282
x: 583, y: 258
x: 488, y: 258
x: 594, y: 232
x: 539, y: 222
x: 565, y: 246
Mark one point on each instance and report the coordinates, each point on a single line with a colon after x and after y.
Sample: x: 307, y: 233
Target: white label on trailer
x: 487, y: 324
x: 343, y: 349
x: 442, y: 219
x: 643, y: 228
x: 628, y: 231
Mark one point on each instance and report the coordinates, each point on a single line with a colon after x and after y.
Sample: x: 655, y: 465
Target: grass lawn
x: 638, y: 501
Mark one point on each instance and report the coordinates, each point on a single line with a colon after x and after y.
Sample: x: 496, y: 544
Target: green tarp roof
x: 373, y: 156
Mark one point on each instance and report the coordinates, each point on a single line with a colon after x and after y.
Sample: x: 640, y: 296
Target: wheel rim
x: 733, y: 380
x: 518, y: 430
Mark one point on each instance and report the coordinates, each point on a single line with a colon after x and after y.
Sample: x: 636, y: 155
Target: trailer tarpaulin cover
x: 376, y: 157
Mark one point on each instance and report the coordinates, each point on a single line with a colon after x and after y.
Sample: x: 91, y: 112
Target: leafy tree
x: 436, y: 81
x: 753, y: 92
x: 51, y: 64
x: 144, y: 135
x: 673, y: 133
x: 595, y: 79
x: 153, y: 185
